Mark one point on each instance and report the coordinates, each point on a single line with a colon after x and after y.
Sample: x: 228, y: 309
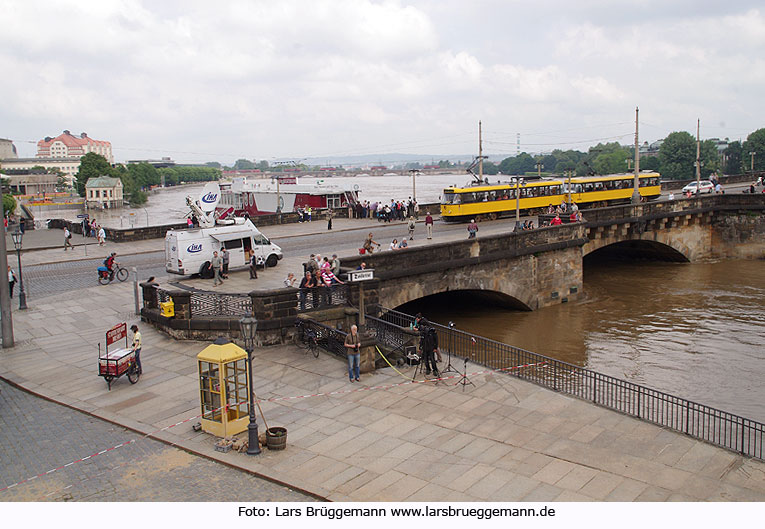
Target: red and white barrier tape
x: 273, y: 399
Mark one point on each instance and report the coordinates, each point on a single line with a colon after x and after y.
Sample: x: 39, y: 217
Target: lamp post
x: 518, y: 182
x: 414, y: 173
x: 752, y: 156
x: 18, y: 239
x: 249, y: 326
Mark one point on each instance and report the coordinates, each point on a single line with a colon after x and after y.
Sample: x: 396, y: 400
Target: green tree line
x: 137, y: 178
x: 676, y: 159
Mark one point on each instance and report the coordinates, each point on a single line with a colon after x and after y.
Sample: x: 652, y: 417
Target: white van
x: 189, y: 252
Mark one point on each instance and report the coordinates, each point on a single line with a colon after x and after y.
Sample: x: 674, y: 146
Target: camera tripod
x: 464, y: 380
x: 449, y: 368
x: 420, y: 367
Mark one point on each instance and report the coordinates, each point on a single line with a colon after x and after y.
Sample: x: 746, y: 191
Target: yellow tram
x: 490, y: 201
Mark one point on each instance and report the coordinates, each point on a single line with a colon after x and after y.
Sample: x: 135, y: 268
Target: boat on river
x: 282, y: 194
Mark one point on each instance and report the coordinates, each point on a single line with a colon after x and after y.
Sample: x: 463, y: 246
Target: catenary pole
x: 5, y: 297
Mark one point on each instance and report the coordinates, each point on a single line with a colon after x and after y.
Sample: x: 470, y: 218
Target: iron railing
x: 214, y: 304
x: 703, y: 422
x: 328, y: 338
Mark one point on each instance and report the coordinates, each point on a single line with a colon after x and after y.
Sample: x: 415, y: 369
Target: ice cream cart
x: 116, y: 360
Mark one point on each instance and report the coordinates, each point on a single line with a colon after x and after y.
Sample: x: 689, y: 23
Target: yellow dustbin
x: 167, y: 309
x: 223, y: 387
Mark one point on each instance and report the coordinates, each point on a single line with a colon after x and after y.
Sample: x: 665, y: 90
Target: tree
x: 677, y: 156
x: 649, y: 163
x: 9, y: 205
x: 733, y: 158
x: 216, y: 165
x: 755, y: 142
x: 518, y: 165
x: 242, y: 164
x: 262, y: 165
x: 612, y: 162
x: 92, y: 165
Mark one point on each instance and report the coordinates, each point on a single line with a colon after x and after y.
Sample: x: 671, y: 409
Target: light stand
x: 464, y: 380
x: 248, y: 327
x: 449, y: 368
x: 18, y: 239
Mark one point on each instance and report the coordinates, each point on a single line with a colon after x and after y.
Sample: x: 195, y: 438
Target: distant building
x: 32, y: 184
x: 7, y: 149
x: 103, y: 192
x: 67, y: 145
x: 721, y: 145
x: 165, y: 161
x: 67, y: 166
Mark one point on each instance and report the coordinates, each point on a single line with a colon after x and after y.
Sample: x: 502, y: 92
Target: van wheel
x: 272, y: 260
x: 206, y: 271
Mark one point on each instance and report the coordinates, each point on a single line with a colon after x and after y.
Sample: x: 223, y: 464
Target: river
x: 168, y: 205
x: 692, y: 330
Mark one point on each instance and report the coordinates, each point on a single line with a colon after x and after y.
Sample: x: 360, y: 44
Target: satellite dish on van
x: 209, y: 197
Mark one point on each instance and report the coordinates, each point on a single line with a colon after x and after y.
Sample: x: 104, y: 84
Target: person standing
x: 353, y: 349
x: 411, y: 228
x: 217, y: 265
x: 101, y: 236
x: 329, y: 218
x: 67, y: 236
x: 289, y: 281
x: 136, y: 347
x: 429, y: 225
x: 11, y: 280
x: 335, y: 264
x: 85, y: 228
x: 225, y: 257
x: 308, y: 284
x: 253, y: 265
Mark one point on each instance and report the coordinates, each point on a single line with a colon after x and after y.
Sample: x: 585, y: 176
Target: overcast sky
x: 200, y: 80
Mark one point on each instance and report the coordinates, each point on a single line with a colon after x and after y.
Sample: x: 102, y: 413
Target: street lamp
x: 249, y: 326
x: 414, y: 173
x: 518, y: 182
x: 18, y: 238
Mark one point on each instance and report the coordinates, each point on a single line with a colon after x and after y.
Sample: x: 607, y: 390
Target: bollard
x: 135, y: 291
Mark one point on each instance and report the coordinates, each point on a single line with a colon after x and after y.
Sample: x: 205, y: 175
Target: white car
x: 704, y: 187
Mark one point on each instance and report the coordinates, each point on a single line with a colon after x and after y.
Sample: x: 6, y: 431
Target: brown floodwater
x: 692, y: 330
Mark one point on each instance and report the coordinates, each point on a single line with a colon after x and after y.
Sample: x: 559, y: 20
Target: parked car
x: 704, y: 187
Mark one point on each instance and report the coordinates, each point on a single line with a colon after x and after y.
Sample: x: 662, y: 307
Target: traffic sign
x: 83, y: 216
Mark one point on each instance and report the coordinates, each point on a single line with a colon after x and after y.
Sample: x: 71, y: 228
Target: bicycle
x: 105, y: 276
x: 307, y: 339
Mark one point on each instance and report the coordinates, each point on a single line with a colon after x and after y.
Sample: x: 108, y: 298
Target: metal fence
x: 214, y: 304
x: 697, y: 420
x: 328, y: 338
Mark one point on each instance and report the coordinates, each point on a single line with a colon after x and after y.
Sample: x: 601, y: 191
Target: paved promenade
x: 502, y: 440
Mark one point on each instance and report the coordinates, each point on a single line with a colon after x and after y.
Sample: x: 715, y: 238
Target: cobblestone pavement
x: 37, y: 435
x: 47, y: 279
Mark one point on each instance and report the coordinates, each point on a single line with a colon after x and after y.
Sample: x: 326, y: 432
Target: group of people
x: 320, y: 277
x: 90, y: 228
x: 305, y: 214
x: 386, y: 212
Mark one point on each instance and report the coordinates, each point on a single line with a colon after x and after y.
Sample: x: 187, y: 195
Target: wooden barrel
x: 276, y: 438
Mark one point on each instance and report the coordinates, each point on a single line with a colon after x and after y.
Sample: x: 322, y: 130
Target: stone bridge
x: 542, y: 267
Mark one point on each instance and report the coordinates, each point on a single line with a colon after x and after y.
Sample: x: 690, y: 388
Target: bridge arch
x: 466, y: 297
x: 637, y: 249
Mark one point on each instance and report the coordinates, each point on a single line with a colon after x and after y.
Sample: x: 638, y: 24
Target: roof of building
x: 70, y: 140
x: 103, y: 181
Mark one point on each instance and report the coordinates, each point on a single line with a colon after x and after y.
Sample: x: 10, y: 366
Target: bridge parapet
x: 674, y: 208
x: 390, y: 264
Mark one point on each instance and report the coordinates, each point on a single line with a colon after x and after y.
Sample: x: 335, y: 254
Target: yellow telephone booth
x: 223, y: 389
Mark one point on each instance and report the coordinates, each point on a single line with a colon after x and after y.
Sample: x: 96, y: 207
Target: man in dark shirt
x: 307, y: 284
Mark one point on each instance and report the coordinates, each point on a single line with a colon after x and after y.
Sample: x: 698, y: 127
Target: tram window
x: 599, y: 186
